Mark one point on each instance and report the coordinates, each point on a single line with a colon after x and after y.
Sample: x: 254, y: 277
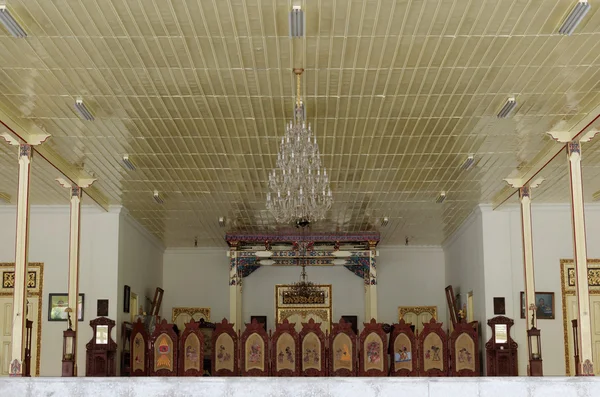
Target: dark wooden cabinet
x: 101, y: 350
x: 501, y: 349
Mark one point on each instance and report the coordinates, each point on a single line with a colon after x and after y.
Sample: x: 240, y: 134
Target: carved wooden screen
x: 405, y: 355
x: 191, y: 350
x: 255, y: 350
x: 433, y: 350
x: 342, y: 350
x: 285, y: 350
x: 224, y: 360
x: 464, y: 350
x: 312, y: 350
x: 163, y: 352
x: 372, y: 355
x: 139, y: 349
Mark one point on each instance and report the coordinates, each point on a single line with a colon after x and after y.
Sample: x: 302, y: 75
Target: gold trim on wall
x: 39, y: 291
x: 205, y: 311
x: 569, y: 290
x: 304, y: 311
x: 402, y: 310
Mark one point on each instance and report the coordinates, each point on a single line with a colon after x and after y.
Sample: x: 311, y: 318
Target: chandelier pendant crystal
x: 298, y: 187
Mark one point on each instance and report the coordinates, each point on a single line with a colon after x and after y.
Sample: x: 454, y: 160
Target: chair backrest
x: 312, y: 350
x: 372, y: 356
x: 433, y: 347
x: 405, y: 355
x: 191, y: 350
x: 342, y: 350
x: 139, y: 349
x: 285, y: 348
x: 163, y: 353
x: 464, y: 350
x: 255, y: 350
x: 224, y: 360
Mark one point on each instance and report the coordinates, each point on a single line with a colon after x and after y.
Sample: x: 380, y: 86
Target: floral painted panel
x: 342, y: 352
x: 286, y: 351
x: 403, y: 358
x: 163, y: 353
x: 255, y: 352
x: 311, y: 352
x: 139, y: 354
x: 373, y: 352
x: 432, y: 352
x: 225, y: 353
x: 191, y: 349
x: 464, y: 353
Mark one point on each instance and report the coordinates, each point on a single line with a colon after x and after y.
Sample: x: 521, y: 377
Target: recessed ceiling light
x: 5, y: 197
x: 441, y: 197
x: 296, y: 22
x: 127, y: 163
x: 222, y: 221
x: 468, y: 163
x: 157, y: 197
x: 84, y: 113
x: 507, y: 108
x: 385, y: 221
x: 574, y: 18
x: 10, y: 23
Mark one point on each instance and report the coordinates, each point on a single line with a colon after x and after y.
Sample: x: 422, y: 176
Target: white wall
x: 49, y: 244
x: 140, y: 267
x: 407, y: 276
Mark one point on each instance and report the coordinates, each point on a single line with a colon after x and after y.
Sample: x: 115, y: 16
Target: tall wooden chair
x: 255, y: 350
x: 464, y: 350
x: 285, y: 349
x: 312, y: 350
x: 433, y: 348
x: 342, y: 350
x: 139, y: 349
x: 163, y: 354
x: 372, y: 356
x: 191, y: 350
x: 405, y: 355
x: 224, y: 360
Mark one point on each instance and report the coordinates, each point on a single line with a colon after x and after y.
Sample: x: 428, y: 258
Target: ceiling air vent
x: 574, y: 18
x: 296, y: 22
x: 440, y: 199
x: 10, y: 23
x: 507, y: 108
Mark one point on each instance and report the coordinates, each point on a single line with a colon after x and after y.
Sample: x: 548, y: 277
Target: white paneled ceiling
x: 399, y: 93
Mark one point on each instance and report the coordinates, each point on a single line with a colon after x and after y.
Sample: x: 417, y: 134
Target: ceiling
x: 399, y: 93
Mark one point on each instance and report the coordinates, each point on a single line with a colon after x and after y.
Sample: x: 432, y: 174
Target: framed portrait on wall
x: 126, y: 299
x: 544, y: 303
x: 57, y: 304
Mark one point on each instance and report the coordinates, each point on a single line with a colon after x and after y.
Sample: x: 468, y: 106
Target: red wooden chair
x: 224, y: 360
x: 342, y: 350
x: 285, y: 350
x: 163, y: 354
x: 139, y: 349
x: 255, y: 350
x: 433, y: 348
x: 405, y: 355
x: 191, y: 350
x: 373, y: 356
x: 464, y: 350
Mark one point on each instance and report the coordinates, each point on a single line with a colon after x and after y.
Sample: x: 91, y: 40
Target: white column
x: 527, y: 235
x: 235, y: 289
x: 581, y: 272
x: 371, y: 289
x: 21, y: 257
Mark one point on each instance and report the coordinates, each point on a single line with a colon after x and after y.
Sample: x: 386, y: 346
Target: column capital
x: 573, y: 148
x: 32, y: 140
x: 82, y: 183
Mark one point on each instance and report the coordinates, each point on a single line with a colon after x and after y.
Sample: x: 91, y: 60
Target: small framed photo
x: 544, y: 303
x: 499, y: 305
x: 126, y: 299
x: 57, y: 304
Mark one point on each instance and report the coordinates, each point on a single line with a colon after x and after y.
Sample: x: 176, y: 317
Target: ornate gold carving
x: 402, y: 310
x: 37, y: 291
x: 323, y: 314
x: 567, y: 272
x: 284, y: 303
x: 204, y: 311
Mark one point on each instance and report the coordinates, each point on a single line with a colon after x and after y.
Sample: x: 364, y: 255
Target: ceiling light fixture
x: 11, y: 24
x: 299, y: 189
x: 157, y: 197
x: 440, y: 199
x: 297, y: 23
x: 468, y: 163
x: 5, y: 197
x: 222, y: 221
x: 384, y: 221
x: 507, y: 108
x: 127, y: 163
x: 83, y: 110
x: 574, y: 17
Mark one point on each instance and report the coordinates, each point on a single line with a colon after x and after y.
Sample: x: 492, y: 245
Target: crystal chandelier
x: 304, y: 291
x: 299, y: 191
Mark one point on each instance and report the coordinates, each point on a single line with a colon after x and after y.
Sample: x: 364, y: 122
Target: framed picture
x: 57, y: 303
x: 544, y: 303
x: 126, y: 299
x: 499, y: 305
x: 102, y: 308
